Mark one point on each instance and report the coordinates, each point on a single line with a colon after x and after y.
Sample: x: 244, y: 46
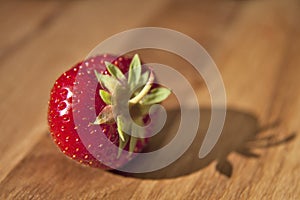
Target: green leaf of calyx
x: 133, y: 139
x: 132, y: 144
x: 105, y: 116
x: 105, y: 96
x: 134, y: 73
x: 156, y: 95
x: 120, y: 128
x: 123, y: 137
x: 144, y: 78
x: 122, y: 145
x: 106, y: 81
x: 115, y: 71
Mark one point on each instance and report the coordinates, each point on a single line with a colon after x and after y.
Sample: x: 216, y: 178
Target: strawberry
x: 88, y: 98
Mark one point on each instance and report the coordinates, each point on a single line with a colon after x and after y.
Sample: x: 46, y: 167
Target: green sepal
x: 106, y: 81
x: 142, y: 82
x: 134, y: 73
x: 115, y: 71
x: 120, y: 128
x: 105, y: 116
x: 122, y: 144
x: 144, y: 78
x: 105, y: 96
x: 133, y: 141
x: 156, y: 95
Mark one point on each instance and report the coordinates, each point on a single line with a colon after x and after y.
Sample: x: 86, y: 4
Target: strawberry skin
x: 61, y: 108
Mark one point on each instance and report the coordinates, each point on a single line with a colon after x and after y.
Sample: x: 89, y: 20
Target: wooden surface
x: 256, y: 46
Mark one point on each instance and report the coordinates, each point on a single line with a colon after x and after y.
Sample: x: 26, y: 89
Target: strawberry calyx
x: 133, y: 93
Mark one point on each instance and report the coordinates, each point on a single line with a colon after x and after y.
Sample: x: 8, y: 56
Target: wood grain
x: 256, y: 47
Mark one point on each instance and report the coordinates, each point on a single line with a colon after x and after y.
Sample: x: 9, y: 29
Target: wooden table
x: 256, y: 46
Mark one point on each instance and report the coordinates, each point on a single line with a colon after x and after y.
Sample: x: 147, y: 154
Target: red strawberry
x: 83, y: 103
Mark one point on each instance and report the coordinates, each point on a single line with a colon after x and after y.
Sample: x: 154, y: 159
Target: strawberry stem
x: 144, y: 91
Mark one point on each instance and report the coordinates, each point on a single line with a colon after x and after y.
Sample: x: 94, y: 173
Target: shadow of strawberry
x: 242, y: 134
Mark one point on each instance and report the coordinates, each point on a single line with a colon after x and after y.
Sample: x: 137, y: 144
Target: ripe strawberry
x: 87, y: 98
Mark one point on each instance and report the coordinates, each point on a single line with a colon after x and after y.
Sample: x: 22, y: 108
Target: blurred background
x: 254, y: 43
